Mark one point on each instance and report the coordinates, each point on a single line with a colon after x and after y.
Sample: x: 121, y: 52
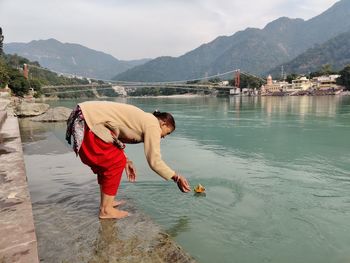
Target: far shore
x: 188, y: 95
x: 185, y: 96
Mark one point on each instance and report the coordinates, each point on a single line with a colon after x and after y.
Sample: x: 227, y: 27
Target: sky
x: 135, y: 29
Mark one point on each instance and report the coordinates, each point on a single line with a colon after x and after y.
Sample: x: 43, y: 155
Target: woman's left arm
x: 153, y: 155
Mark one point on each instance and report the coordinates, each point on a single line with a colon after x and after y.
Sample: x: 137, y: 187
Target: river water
x: 276, y: 170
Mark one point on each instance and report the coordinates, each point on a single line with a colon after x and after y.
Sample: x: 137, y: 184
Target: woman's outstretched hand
x: 130, y: 171
x: 182, y: 183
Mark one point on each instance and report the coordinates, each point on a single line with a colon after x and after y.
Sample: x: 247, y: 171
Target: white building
x: 224, y: 83
x: 302, y: 83
x: 120, y: 90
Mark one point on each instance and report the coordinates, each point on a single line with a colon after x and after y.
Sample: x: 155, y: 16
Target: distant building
x: 224, y: 83
x: 273, y: 86
x: 302, y: 83
x: 120, y: 90
x: 235, y: 91
x: 325, y: 82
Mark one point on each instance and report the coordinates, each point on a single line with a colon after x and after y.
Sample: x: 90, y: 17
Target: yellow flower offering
x: 199, y: 188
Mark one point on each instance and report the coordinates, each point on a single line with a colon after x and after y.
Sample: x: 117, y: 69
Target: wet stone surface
x: 71, y: 235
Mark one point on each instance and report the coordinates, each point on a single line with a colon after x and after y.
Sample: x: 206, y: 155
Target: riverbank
x: 18, y: 241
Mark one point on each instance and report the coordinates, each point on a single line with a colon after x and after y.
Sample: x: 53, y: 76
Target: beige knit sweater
x: 131, y: 125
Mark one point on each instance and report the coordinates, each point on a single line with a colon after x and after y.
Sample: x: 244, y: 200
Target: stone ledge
x: 17, y: 233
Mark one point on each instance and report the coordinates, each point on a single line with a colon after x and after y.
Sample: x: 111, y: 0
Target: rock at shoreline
x: 26, y: 109
x: 54, y: 115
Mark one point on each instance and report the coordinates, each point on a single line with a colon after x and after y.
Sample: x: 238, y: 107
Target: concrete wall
x: 17, y: 233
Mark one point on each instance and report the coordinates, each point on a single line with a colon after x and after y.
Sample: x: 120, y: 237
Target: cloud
x: 137, y: 29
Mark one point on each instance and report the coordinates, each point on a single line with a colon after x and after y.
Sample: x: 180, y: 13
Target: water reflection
x: 32, y: 131
x: 327, y: 106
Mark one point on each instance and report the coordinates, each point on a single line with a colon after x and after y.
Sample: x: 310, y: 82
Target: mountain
x: 71, y: 58
x: 335, y: 52
x: 252, y: 50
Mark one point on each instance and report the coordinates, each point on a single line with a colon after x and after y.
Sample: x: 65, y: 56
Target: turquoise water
x: 276, y: 169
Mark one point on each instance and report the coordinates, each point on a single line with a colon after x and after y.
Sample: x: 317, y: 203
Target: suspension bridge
x: 202, y: 84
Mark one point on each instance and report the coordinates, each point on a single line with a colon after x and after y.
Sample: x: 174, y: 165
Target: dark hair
x: 166, y: 117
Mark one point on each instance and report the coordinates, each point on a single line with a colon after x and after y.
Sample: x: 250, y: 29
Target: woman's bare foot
x: 107, y: 210
x: 117, y: 203
x: 110, y: 212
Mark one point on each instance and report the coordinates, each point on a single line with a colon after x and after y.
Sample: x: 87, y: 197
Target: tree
x: 248, y: 82
x: 214, y: 80
x: 344, y: 78
x: 326, y: 69
x: 193, y: 81
x: 36, y: 86
x: 17, y: 83
x: 4, y: 75
x: 10, y: 74
x: 291, y: 77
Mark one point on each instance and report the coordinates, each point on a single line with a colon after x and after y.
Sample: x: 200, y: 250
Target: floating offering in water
x: 199, y: 189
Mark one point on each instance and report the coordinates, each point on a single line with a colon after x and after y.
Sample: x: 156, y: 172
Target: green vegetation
x: 344, y: 78
x: 16, y: 61
x: 214, y: 80
x: 291, y: 77
x: 4, y: 73
x: 11, y: 73
x: 17, y: 83
x: 326, y: 69
x: 193, y: 82
x: 249, y: 82
x: 47, y: 77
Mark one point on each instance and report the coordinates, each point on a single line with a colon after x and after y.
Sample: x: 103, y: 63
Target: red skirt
x: 104, y: 159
